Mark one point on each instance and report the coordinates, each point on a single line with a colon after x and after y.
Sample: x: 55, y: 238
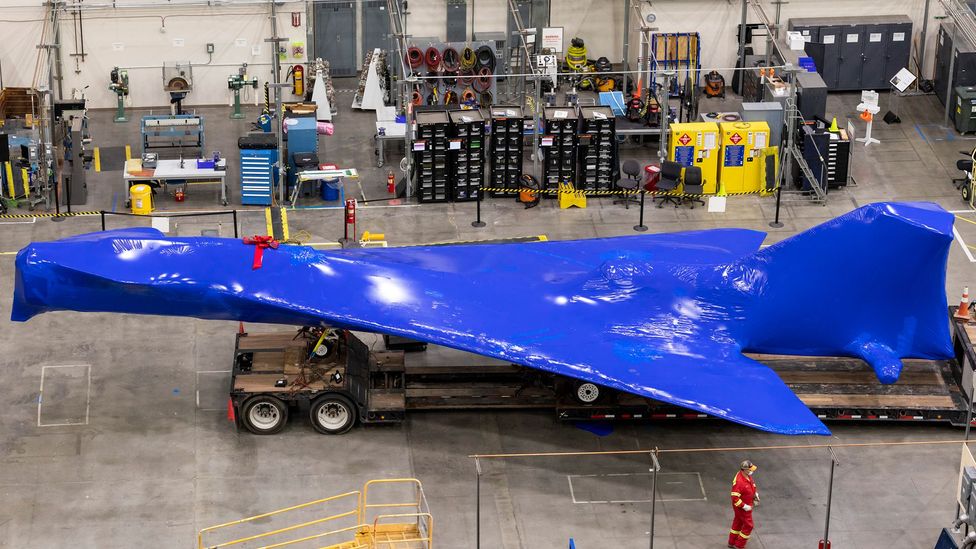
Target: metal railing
x: 367, y: 532
x: 343, y: 498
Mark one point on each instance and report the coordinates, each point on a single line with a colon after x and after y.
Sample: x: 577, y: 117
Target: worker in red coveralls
x: 744, y: 498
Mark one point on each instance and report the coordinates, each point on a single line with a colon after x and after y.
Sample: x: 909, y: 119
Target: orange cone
x: 962, y: 313
x: 230, y: 410
x: 240, y: 328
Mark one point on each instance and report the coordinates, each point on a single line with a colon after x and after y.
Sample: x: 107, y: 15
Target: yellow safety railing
x: 362, y: 535
x: 353, y: 530
x: 355, y: 511
x: 425, y: 531
x: 419, y: 504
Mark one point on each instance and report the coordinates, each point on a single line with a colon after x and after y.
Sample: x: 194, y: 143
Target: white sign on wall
x: 552, y: 38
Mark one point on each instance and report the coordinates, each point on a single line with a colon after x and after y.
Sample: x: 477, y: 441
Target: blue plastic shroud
x: 666, y: 316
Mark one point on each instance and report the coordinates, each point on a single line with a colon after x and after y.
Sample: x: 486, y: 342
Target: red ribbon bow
x: 261, y: 243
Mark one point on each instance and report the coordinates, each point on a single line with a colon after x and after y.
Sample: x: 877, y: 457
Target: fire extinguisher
x: 350, y: 216
x: 298, y: 80
x: 390, y: 182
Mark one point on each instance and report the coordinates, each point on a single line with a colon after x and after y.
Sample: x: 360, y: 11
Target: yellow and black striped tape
x: 618, y: 193
x: 48, y: 214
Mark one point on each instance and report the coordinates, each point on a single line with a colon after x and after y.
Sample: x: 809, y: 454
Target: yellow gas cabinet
x: 696, y: 144
x: 743, y: 166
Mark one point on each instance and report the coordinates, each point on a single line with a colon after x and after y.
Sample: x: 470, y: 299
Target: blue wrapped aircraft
x: 666, y: 316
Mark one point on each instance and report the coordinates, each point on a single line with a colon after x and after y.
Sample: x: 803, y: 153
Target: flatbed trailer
x: 344, y: 377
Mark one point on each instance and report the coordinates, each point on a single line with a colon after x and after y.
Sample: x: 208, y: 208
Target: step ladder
x: 380, y: 516
x: 816, y: 194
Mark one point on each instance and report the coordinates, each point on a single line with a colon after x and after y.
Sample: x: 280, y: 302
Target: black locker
x: 858, y: 53
x: 851, y: 59
x: 873, y: 57
x: 964, y: 68
x: 898, y: 45
x: 830, y: 38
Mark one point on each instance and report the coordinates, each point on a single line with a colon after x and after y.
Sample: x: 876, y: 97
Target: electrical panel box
x: 770, y: 112
x: 966, y: 485
x: 697, y: 144
x: 742, y: 168
x: 964, y: 113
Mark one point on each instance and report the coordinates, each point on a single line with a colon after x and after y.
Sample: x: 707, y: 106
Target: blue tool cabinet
x: 259, y: 157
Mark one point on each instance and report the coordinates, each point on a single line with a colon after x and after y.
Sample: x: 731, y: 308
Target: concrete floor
x: 148, y: 457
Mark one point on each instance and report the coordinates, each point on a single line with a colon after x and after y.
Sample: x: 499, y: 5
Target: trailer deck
x: 381, y: 386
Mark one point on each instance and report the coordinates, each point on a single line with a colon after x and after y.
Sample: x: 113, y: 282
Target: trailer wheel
x: 332, y: 414
x: 587, y: 392
x: 264, y: 415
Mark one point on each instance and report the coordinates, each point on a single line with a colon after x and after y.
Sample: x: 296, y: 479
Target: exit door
x: 335, y: 36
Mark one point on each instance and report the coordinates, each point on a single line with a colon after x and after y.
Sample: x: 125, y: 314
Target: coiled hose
x: 468, y: 96
x: 468, y: 59
x: 415, y: 57
x: 451, y: 60
x: 433, y: 58
x: 482, y: 83
x: 486, y: 57
x: 450, y: 97
x: 465, y: 77
x: 485, y: 100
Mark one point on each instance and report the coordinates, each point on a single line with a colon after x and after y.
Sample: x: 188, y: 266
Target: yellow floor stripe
x: 97, y: 159
x: 966, y: 220
x: 267, y: 221
x: 284, y: 224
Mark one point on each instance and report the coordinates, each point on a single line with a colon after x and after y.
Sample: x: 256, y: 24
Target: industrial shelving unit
x: 597, y: 149
x: 467, y: 154
x: 432, y: 175
x: 559, y: 143
x: 506, y: 152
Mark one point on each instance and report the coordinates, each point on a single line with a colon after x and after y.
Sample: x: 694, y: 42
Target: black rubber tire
x: 271, y: 406
x: 966, y: 192
x: 340, y: 405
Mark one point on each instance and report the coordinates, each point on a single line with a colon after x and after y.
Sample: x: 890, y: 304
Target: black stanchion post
x: 235, y: 223
x: 477, y: 520
x: 655, y: 467
x: 640, y: 227
x: 825, y: 542
x: 478, y: 222
x: 102, y: 213
x: 776, y: 224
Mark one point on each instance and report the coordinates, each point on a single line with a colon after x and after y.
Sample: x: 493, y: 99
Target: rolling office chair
x: 669, y: 181
x: 632, y: 170
x: 693, y: 185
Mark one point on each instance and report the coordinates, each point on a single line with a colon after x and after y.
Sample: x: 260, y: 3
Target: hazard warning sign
x: 684, y: 139
x: 735, y: 138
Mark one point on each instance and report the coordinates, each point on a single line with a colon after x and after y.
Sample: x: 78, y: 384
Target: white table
x: 392, y: 131
x: 167, y: 171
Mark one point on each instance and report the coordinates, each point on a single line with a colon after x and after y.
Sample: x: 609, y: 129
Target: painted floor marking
x: 40, y: 396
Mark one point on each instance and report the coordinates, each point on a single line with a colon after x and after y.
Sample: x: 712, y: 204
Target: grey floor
x: 130, y: 445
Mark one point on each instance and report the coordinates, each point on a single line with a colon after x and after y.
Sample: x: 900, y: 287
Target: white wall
x: 599, y: 22
x: 145, y: 46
